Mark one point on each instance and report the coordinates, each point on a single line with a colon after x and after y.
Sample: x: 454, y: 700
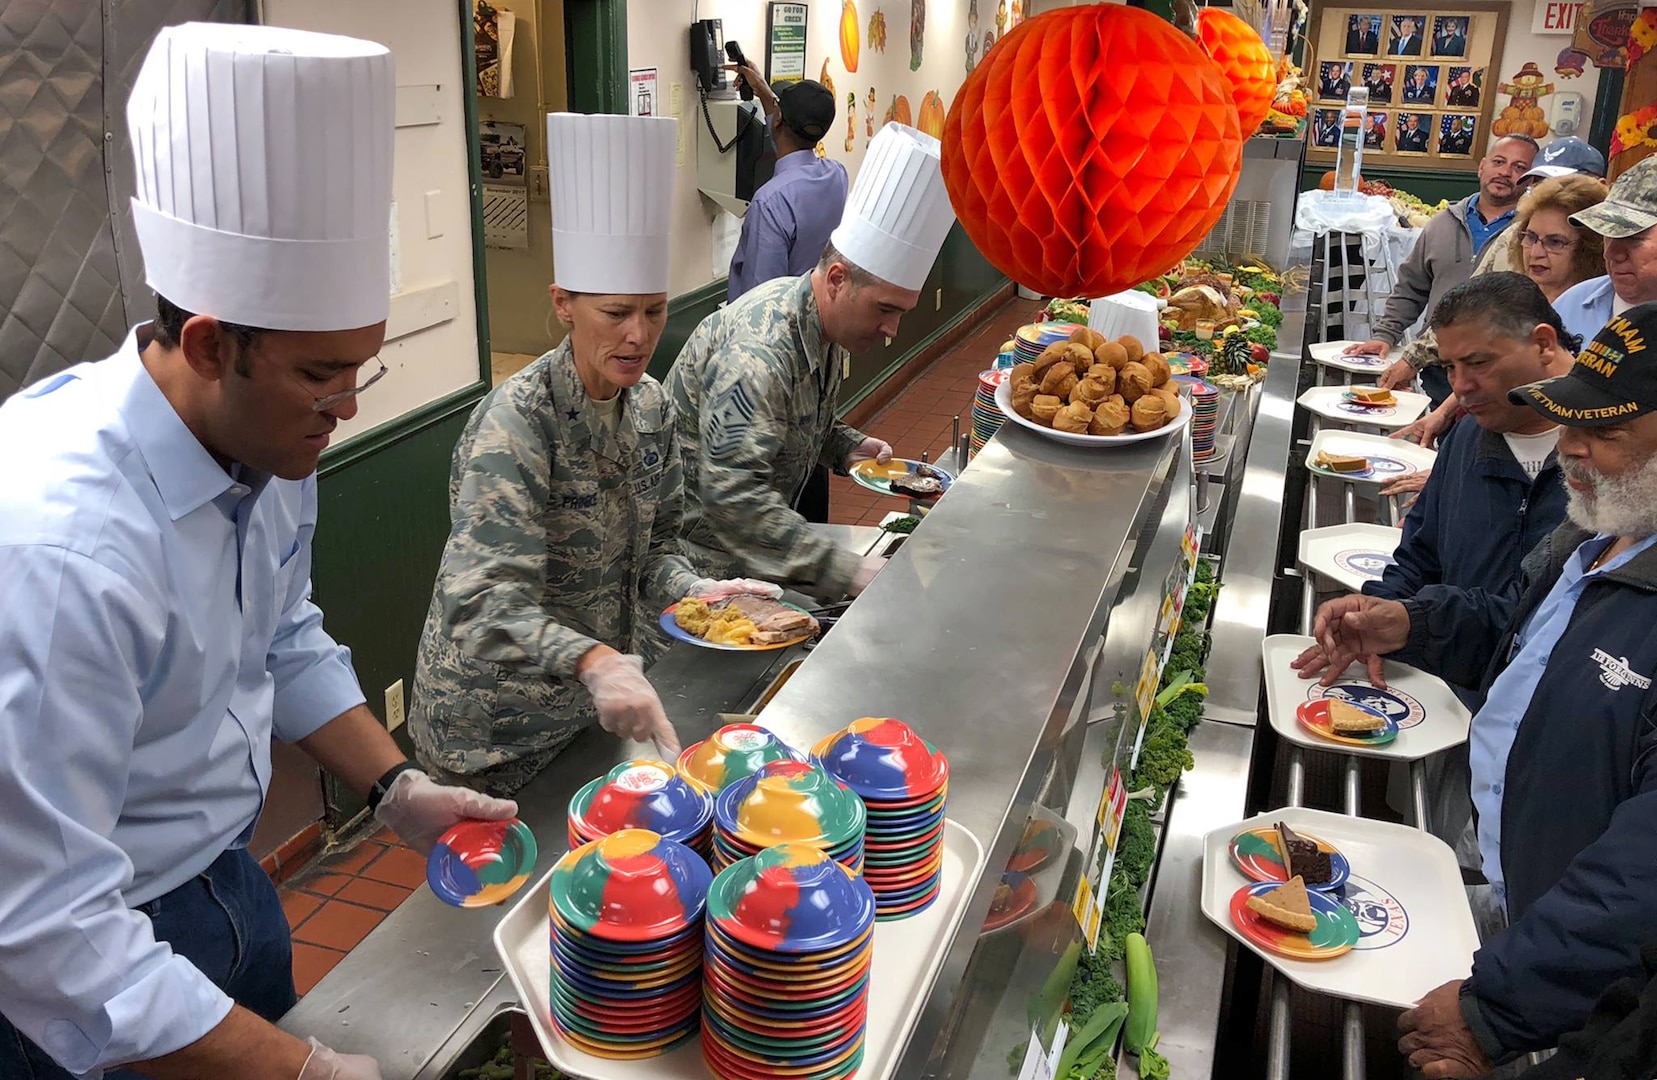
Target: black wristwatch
x: 383, y: 784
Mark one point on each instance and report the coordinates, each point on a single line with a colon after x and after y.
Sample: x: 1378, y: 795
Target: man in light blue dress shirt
x: 156, y: 518
x: 1564, y: 752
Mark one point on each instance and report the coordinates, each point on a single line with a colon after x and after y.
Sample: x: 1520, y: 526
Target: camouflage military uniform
x: 755, y: 390
x: 563, y: 536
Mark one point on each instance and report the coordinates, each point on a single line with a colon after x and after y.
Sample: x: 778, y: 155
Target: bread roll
x: 1133, y: 381
x: 1132, y: 346
x: 1059, y: 380
x: 1073, y: 418
x: 1111, y: 353
x: 1091, y: 391
x: 1109, y: 419
x: 1049, y: 356
x: 1105, y: 372
x: 1087, y: 337
x: 1149, y: 413
x: 1081, y: 357
x: 1043, y: 408
x: 1160, y: 371
x: 1170, y: 398
x: 1021, y: 371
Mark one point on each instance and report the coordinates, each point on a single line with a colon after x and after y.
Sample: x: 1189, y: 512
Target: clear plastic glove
x: 870, y: 449
x: 419, y: 810
x: 1399, y: 374
x: 714, y: 591
x: 627, y: 703
x: 866, y: 571
x: 325, y: 1064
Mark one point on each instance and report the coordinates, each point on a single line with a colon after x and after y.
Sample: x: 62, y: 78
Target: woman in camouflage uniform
x: 565, y: 496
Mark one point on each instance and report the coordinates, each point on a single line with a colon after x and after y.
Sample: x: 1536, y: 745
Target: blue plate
x: 672, y: 629
x: 877, y: 477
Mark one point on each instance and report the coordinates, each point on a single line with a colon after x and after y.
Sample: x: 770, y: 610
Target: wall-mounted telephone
x: 734, y: 51
x: 707, y: 45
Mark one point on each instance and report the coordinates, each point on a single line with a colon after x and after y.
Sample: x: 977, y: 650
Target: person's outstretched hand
x: 1354, y: 628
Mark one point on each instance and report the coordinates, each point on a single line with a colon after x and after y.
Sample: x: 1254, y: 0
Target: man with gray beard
x: 1564, y: 751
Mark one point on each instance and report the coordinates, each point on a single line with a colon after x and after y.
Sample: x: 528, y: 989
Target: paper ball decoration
x: 1093, y: 150
x: 1244, y: 61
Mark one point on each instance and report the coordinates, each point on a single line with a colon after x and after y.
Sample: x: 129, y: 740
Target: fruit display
x: 850, y: 42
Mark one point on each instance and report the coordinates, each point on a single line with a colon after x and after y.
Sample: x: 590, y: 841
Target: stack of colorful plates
x: 734, y: 752
x: 987, y: 416
x: 625, y: 916
x: 1205, y: 417
x: 904, y: 782
x: 790, y: 943
x: 1031, y: 340
x: 789, y: 802
x: 643, y: 794
x: 1184, y: 363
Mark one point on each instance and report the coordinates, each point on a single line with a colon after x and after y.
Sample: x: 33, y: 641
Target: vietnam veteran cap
x: 1614, y: 377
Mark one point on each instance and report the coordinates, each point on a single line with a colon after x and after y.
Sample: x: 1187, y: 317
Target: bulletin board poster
x: 1433, y: 76
x: 785, y: 43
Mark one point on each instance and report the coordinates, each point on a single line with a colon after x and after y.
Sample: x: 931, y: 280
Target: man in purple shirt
x: 790, y: 218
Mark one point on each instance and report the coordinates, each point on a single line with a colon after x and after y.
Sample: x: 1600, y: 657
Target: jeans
x: 228, y: 922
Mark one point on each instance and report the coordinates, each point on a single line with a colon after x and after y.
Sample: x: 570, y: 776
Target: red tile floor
x: 333, y: 902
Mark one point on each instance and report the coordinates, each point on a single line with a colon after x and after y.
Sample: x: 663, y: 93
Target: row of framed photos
x: 1403, y: 132
x: 1406, y: 35
x: 1455, y: 86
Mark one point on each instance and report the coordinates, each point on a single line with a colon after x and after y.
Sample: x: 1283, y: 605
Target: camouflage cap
x: 1609, y: 383
x: 1631, y: 206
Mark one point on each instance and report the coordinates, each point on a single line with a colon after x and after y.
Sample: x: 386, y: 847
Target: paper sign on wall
x: 505, y: 217
x: 785, y: 43
x: 641, y: 92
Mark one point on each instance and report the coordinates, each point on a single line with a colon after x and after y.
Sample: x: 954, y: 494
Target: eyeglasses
x: 1555, y: 244
x: 323, y: 404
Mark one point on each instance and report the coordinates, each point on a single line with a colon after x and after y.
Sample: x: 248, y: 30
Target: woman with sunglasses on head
x: 1550, y: 251
x: 565, y: 494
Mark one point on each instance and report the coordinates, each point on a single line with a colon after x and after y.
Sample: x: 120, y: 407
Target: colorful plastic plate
x: 881, y: 758
x: 1314, y: 717
x: 1352, y: 398
x: 641, y: 794
x: 1256, y: 855
x: 1039, y: 843
x: 877, y: 477
x: 790, y: 899
x: 670, y: 627
x: 1019, y: 899
x: 788, y: 801
x: 1336, y: 934
x: 732, y: 753
x: 631, y: 886
x: 479, y: 863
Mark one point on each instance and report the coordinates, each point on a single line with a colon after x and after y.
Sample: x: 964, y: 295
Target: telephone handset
x: 734, y: 51
x: 707, y: 40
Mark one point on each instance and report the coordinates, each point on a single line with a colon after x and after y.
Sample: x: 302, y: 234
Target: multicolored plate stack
x: 1205, y: 417
x: 790, y: 946
x: 904, y: 782
x: 987, y: 417
x: 734, y: 752
x: 789, y: 802
x: 1032, y: 339
x: 625, y: 917
x: 643, y: 794
x: 478, y: 863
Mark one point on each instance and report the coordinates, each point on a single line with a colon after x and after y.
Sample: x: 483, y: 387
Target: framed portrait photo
x: 1378, y: 79
x: 1404, y: 35
x: 1412, y: 132
x: 1375, y: 131
x: 1450, y: 35
x: 1463, y: 87
x: 1420, y: 84
x: 1326, y: 128
x: 1334, y: 80
x: 1363, y: 34
x: 1457, y: 134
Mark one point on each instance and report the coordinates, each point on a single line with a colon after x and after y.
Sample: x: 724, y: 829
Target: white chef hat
x: 612, y: 201
x: 264, y: 175
x: 898, y: 212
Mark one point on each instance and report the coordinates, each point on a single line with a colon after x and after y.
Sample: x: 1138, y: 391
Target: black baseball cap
x: 1612, y: 380
x: 807, y: 108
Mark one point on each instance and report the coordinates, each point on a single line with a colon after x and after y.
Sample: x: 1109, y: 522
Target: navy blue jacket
x: 1473, y: 522
x: 1579, y: 822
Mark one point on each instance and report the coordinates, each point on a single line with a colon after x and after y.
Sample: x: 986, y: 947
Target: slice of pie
x: 1346, y: 718
x: 1303, y: 858
x: 1373, y: 395
x: 1286, y: 906
x: 1342, y: 462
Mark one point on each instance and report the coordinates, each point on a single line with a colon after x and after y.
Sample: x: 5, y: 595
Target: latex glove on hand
x: 866, y: 571
x: 870, y: 449
x: 714, y: 591
x: 419, y: 810
x: 325, y: 1064
x: 1399, y: 374
x: 627, y: 703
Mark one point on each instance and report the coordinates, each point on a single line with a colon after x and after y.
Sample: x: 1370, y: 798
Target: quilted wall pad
x: 71, y: 279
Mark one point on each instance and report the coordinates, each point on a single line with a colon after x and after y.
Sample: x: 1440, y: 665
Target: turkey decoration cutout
x: 1091, y: 150
x: 1244, y: 61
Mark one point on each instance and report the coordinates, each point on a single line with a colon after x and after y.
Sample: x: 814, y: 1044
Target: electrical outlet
x: 938, y: 301
x: 538, y: 183
x: 394, y: 714
x: 888, y: 343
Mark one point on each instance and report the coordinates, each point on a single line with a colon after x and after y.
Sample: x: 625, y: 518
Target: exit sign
x: 1554, y: 16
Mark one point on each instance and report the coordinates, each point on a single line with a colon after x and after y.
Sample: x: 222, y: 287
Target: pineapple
x: 1233, y: 356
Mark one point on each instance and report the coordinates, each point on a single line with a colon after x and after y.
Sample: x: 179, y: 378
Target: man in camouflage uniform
x: 564, y: 537
x: 756, y: 386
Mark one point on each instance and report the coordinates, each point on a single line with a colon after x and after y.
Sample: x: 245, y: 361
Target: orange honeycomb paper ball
x: 1244, y: 61
x: 1092, y: 150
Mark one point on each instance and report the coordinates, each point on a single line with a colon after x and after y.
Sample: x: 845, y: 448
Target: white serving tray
x: 1389, y: 458
x: 1405, y: 892
x: 1430, y: 717
x: 1327, y: 402
x: 1349, y: 555
x: 1004, y: 399
x: 1329, y: 354
x: 908, y: 954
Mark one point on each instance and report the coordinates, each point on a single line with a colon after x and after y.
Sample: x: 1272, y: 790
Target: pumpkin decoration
x: 850, y: 43
x: 931, y: 118
x: 1093, y: 149
x: 898, y: 112
x: 1244, y: 61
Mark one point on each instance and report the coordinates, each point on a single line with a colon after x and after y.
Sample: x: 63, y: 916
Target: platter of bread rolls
x: 1094, y: 391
